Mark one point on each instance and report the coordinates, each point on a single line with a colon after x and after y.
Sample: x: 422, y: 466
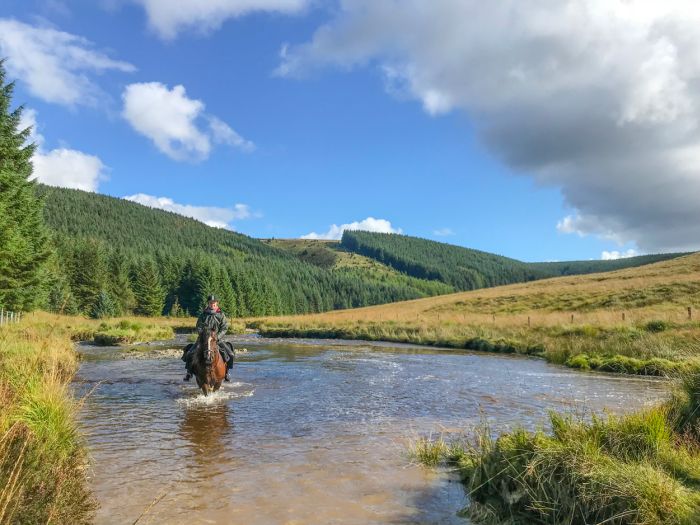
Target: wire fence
x: 9, y: 317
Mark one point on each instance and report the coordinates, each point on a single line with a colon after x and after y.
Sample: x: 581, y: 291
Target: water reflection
x: 310, y: 434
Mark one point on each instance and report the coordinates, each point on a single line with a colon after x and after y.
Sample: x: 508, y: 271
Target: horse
x: 208, y: 367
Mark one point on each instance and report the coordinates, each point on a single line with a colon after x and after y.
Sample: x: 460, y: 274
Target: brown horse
x: 208, y: 367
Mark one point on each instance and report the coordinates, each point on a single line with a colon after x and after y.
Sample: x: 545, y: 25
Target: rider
x: 213, y: 318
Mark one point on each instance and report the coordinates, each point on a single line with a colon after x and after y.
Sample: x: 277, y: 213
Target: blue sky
x: 294, y: 116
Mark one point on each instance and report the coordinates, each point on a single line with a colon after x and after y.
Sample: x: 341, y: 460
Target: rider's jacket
x: 215, y: 319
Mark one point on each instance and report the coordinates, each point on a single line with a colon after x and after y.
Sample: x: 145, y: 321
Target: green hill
x: 468, y: 269
x: 133, y: 253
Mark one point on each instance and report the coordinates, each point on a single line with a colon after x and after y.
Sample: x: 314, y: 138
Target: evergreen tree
x: 104, y: 307
x: 150, y: 298
x: 88, y: 273
x: 24, y: 247
x: 119, y: 285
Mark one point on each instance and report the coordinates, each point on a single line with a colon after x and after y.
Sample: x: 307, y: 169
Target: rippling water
x: 309, y: 432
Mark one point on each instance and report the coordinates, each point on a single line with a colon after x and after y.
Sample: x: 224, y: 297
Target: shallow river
x: 309, y: 432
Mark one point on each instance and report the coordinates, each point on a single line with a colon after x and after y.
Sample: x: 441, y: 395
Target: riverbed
x: 308, y: 431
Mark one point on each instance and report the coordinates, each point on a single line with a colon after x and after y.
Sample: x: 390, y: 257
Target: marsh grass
x: 641, y: 469
x: 42, y: 458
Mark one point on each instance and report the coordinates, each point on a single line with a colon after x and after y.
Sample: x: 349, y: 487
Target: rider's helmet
x: 211, y: 298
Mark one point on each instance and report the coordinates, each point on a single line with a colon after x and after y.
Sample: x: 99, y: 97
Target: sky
x: 541, y: 130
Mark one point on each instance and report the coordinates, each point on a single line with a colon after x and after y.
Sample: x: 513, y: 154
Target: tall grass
x: 42, y: 458
x: 641, y: 469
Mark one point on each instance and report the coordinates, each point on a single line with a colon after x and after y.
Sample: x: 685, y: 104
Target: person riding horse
x: 212, y: 318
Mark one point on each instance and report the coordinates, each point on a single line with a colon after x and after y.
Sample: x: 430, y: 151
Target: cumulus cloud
x: 369, y: 224
x: 614, y: 254
x: 209, y: 215
x: 55, y: 65
x: 168, y: 18
x: 67, y: 168
x: 596, y: 97
x: 172, y: 121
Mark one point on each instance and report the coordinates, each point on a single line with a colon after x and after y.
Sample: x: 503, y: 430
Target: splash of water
x: 218, y: 397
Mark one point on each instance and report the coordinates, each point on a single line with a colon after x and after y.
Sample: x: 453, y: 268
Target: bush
x: 656, y: 326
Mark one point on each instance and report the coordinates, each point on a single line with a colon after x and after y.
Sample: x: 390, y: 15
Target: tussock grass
x: 630, y: 321
x: 641, y: 469
x: 42, y: 458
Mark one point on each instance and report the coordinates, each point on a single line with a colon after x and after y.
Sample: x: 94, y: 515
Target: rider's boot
x: 227, y: 377
x: 187, y: 377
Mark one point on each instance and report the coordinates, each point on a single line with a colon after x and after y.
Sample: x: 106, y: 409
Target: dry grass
x: 610, y: 314
x: 42, y: 458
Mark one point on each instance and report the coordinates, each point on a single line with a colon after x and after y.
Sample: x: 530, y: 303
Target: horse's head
x: 210, y: 346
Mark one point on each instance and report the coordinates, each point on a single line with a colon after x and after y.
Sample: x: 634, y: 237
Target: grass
x: 631, y: 321
x: 43, y: 461
x: 641, y: 469
x: 42, y: 457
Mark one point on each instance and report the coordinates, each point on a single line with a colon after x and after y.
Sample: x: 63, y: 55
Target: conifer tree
x: 88, y: 273
x: 24, y: 247
x: 150, y: 298
x: 119, y: 285
x: 104, y: 307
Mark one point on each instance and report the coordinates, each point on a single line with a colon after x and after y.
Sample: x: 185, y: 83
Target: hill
x: 468, y: 269
x: 633, y: 320
x: 136, y: 255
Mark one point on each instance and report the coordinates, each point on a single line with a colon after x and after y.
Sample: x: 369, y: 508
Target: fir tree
x: 104, y: 306
x: 88, y: 273
x: 119, y: 285
x: 148, y: 290
x: 24, y: 247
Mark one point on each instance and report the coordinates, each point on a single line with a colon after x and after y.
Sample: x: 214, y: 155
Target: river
x: 309, y: 432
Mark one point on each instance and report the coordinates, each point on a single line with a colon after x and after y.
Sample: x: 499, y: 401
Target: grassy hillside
x: 467, y: 269
x: 106, y: 245
x: 633, y: 320
x: 331, y: 256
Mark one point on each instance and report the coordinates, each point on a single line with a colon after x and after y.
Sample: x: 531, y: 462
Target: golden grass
x: 42, y: 458
x: 605, y: 314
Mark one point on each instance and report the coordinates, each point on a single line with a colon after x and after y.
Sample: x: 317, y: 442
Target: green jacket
x: 215, y: 319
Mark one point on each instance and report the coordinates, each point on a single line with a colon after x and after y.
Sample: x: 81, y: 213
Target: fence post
x: 623, y: 316
x: 690, y: 313
x: 572, y: 318
x: 2, y: 315
x: 528, y: 320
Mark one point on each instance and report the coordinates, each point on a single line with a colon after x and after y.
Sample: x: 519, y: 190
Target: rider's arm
x: 200, y: 323
x: 223, y: 325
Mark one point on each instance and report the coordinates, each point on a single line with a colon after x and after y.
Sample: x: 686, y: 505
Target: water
x: 309, y: 432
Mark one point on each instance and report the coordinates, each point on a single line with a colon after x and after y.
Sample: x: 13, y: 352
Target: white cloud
x: 369, y: 224
x: 443, y: 232
x: 209, y: 215
x: 223, y: 134
x: 596, y: 97
x: 170, y: 119
x: 67, y: 168
x: 54, y: 64
x: 614, y: 254
x: 168, y: 18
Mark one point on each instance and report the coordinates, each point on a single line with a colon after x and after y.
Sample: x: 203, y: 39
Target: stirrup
x: 187, y: 377
x: 227, y: 377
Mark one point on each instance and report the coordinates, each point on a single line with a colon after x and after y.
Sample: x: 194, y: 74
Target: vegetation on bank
x: 641, y: 469
x: 43, y: 461
x: 632, y: 321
